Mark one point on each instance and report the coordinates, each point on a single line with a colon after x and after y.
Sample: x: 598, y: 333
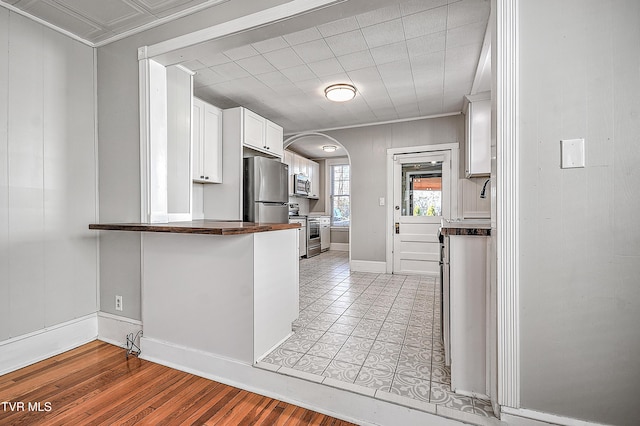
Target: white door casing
x: 415, y: 249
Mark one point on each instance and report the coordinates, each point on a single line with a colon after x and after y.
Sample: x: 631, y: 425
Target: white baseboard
x: 30, y: 348
x: 114, y: 328
x: 339, y: 246
x: 368, y: 266
x: 523, y: 416
x: 343, y: 404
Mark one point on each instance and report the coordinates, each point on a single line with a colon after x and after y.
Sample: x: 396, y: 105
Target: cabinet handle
x: 201, y: 177
x: 206, y: 177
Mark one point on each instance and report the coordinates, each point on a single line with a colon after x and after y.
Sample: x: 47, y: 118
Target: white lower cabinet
x: 207, y: 142
x: 468, y: 309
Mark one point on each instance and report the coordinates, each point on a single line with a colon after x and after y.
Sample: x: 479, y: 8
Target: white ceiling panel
x: 429, y: 43
x: 241, y: 52
x: 408, y: 58
x: 356, y: 61
x: 313, y: 51
x: 304, y: 36
x: 230, y: 71
x: 299, y: 73
x: 427, y: 22
x: 390, y: 53
x: 99, y: 21
x: 327, y: 67
x: 415, y: 6
x: 467, y: 12
x: 347, y: 43
x: 68, y: 20
x: 270, y: 45
x: 107, y: 13
x: 256, y: 65
x: 211, y: 59
x: 338, y: 27
x: 378, y: 16
x: 283, y: 58
x: 384, y: 33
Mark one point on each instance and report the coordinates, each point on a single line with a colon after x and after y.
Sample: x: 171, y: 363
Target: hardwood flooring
x: 95, y: 384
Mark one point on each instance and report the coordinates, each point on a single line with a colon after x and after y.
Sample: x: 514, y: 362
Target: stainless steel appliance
x: 265, y: 191
x: 301, y: 184
x: 313, y: 236
x: 325, y: 233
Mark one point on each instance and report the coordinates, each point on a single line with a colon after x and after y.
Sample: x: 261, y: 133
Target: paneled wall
x: 48, y: 257
x: 579, y: 230
x: 367, y: 147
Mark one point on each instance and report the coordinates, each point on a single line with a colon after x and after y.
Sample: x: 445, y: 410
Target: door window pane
x: 422, y: 189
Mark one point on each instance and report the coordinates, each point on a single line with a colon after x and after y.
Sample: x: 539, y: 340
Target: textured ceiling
x: 410, y: 59
x: 97, y: 21
x: 407, y: 58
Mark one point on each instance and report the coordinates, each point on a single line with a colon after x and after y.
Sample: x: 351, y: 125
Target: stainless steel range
x: 309, y: 231
x: 313, y: 236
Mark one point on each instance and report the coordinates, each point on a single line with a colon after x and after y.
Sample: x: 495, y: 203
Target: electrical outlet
x: 118, y: 303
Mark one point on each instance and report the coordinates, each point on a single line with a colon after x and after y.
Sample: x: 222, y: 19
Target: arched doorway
x: 334, y: 166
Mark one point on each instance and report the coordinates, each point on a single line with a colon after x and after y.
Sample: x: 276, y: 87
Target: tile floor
x: 375, y: 334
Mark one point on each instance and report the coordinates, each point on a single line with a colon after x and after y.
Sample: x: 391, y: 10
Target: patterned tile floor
x: 375, y: 334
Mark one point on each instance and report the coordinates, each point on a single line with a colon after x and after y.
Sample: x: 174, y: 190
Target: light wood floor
x: 96, y: 384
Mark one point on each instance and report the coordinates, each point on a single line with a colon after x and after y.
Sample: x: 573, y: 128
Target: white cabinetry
x: 314, y: 177
x: 273, y: 139
x: 478, y: 135
x: 468, y: 313
x: 257, y: 132
x: 304, y: 166
x: 288, y: 160
x: 207, y: 142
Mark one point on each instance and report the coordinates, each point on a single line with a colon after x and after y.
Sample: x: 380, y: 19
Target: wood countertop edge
x: 194, y: 229
x: 477, y: 232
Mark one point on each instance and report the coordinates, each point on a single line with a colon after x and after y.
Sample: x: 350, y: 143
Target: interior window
x: 340, y: 200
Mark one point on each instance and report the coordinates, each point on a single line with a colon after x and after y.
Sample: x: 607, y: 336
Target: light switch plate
x: 381, y: 201
x: 572, y: 153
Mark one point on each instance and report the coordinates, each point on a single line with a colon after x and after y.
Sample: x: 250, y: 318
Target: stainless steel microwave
x: 301, y: 184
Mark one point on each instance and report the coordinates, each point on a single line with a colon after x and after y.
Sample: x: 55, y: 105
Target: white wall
x: 580, y: 235
x: 119, y: 148
x: 48, y: 256
x: 367, y: 147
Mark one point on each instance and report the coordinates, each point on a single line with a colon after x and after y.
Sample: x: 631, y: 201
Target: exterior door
x: 422, y: 194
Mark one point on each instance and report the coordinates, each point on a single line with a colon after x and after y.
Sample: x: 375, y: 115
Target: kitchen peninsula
x: 217, y: 289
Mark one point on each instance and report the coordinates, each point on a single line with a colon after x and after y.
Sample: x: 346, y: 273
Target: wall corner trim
x: 114, y: 329
x: 543, y: 417
x: 507, y: 200
x: 30, y: 348
x: 368, y: 266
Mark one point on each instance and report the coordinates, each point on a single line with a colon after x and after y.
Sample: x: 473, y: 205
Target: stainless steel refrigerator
x: 266, y: 190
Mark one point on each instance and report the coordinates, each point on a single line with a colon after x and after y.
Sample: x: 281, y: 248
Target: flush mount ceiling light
x: 340, y: 92
x: 329, y: 148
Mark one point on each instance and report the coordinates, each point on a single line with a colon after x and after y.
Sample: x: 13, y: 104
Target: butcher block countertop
x: 210, y: 227
x: 480, y: 228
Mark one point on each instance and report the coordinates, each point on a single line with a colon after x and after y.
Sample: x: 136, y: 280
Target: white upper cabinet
x: 207, y: 142
x: 258, y: 133
x: 288, y: 160
x: 478, y: 135
x: 314, y: 177
x: 254, y: 130
x: 273, y: 140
